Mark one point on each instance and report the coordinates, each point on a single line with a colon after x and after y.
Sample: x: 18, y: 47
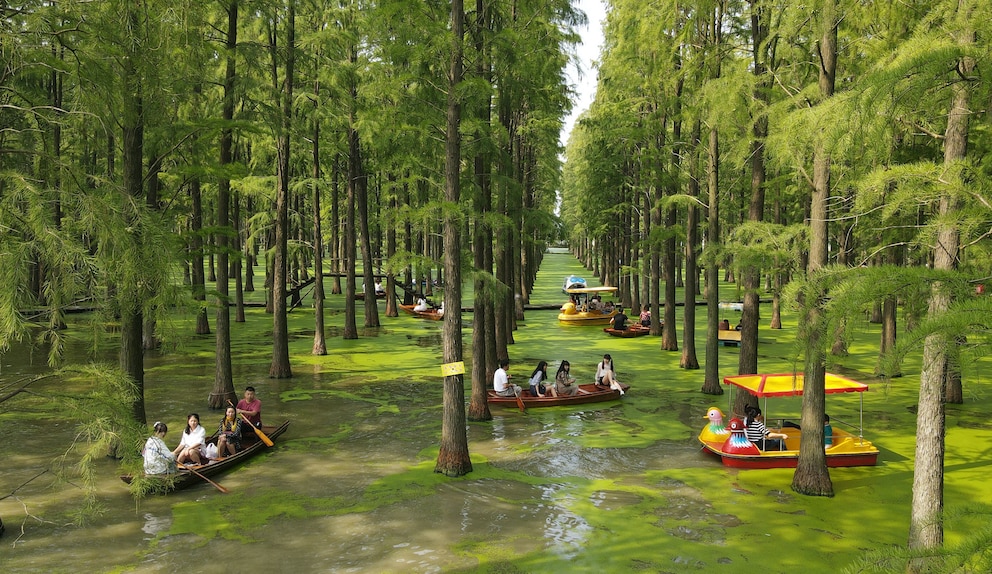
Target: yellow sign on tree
x: 450, y: 369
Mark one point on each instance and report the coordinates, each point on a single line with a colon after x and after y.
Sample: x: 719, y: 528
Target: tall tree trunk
x: 319, y: 340
x: 336, y: 240
x: 669, y: 337
x: 132, y: 139
x: 812, y: 476
x: 711, y: 376
x: 482, y: 327
x: 453, y: 456
x: 689, y: 359
x: 926, y: 530
x: 350, y: 247
x: 198, y: 282
x: 747, y: 358
x: 280, y: 367
x: 368, y: 267
x: 223, y: 387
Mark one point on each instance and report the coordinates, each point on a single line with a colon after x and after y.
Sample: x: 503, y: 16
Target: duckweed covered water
x: 614, y: 487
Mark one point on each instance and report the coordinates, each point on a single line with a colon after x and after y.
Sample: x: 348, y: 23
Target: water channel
x: 613, y: 487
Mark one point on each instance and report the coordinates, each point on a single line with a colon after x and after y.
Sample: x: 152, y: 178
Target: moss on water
x: 610, y: 487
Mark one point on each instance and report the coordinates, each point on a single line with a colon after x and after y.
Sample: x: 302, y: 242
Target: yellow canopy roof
x: 790, y: 384
x: 581, y: 290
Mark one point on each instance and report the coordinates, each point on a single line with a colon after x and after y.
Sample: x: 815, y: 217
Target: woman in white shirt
x: 158, y: 458
x: 191, y: 446
x: 606, y: 376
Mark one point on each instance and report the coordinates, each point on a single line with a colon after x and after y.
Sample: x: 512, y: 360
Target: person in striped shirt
x: 759, y: 434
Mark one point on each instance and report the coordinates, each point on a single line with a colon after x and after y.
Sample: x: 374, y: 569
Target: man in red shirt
x: 251, y: 407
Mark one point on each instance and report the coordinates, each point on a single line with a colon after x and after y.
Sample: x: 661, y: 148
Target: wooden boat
x: 361, y: 296
x: 251, y: 445
x: 731, y: 445
x: 634, y: 330
x: 432, y: 314
x: 573, y: 282
x: 590, y: 393
x: 579, y: 309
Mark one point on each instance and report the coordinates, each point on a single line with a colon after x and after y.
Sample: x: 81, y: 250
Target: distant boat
x: 430, y: 314
x: 633, y: 330
x: 580, y: 309
x: 573, y: 282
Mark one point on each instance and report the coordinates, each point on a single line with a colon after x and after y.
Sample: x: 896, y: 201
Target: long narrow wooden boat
x: 361, y: 296
x: 634, y: 330
x: 730, y: 443
x: 431, y: 315
x: 590, y: 393
x: 251, y: 445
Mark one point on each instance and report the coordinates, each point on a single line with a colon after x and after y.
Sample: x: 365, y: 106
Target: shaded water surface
x: 350, y: 487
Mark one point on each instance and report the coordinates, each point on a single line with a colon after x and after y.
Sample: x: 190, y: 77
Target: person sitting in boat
x: 421, y: 305
x: 608, y: 307
x: 229, y: 433
x: 190, y: 447
x: 564, y: 384
x: 828, y: 431
x: 645, y: 316
x: 251, y: 407
x: 759, y: 434
x: 725, y: 325
x: 595, y: 304
x: 501, y: 381
x: 619, y: 320
x: 440, y: 310
x: 606, y: 375
x: 538, y: 378
x: 378, y: 288
x: 158, y: 458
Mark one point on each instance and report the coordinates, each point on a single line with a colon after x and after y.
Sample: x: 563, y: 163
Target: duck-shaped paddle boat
x: 715, y: 430
x: 846, y: 449
x: 737, y: 442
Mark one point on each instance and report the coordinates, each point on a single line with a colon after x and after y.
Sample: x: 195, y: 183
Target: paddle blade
x: 261, y: 435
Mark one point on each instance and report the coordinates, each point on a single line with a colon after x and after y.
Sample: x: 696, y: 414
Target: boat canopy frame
x: 763, y: 386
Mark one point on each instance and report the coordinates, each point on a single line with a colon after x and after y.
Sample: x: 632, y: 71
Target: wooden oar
x: 520, y: 403
x: 258, y: 431
x: 217, y: 486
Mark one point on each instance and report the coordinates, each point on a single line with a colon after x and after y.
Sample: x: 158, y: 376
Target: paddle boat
x: 730, y: 444
x: 573, y: 282
x: 581, y: 309
x: 590, y: 393
x: 251, y: 445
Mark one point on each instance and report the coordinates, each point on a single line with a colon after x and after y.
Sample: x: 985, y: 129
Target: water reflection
x: 155, y: 525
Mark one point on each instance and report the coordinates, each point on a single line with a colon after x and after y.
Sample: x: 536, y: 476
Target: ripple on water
x: 155, y: 524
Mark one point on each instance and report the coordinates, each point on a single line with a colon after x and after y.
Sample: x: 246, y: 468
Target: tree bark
x: 711, y: 372
x: 689, y: 359
x: 319, y: 338
x: 926, y: 531
x: 453, y: 456
x: 812, y: 476
x: 280, y: 367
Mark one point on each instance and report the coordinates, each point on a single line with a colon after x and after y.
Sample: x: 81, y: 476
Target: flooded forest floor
x: 612, y: 487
